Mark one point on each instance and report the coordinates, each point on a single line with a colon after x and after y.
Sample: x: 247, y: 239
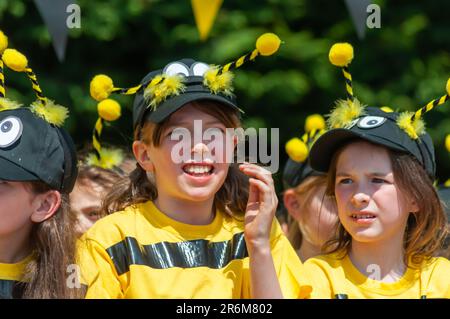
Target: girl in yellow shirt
x: 380, y: 168
x: 197, y: 227
x: 37, y: 172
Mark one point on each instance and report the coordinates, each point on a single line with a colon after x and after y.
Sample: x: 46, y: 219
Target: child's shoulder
x: 439, y: 265
x: 435, y: 275
x: 112, y: 228
x: 331, y: 260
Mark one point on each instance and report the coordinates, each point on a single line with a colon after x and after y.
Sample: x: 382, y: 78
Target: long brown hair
x: 140, y: 187
x: 425, y: 230
x: 306, y: 190
x: 53, y: 243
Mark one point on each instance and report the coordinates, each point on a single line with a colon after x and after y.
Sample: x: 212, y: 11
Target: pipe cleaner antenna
x: 5, y: 104
x: 52, y: 113
x: 298, y: 149
x: 341, y: 55
x: 108, y: 110
x: 412, y: 122
x: 219, y: 78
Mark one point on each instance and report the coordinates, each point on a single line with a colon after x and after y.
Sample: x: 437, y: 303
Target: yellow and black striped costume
x: 11, y: 285
x: 142, y: 253
x: 332, y: 276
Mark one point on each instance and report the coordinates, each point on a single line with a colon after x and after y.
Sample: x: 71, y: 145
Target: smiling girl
x: 199, y: 228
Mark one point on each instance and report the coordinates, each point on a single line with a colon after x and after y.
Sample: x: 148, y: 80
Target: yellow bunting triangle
x: 205, y: 12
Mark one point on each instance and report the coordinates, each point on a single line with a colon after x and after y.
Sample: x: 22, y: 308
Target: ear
x: 45, y: 205
x: 414, y: 208
x: 140, y: 151
x: 291, y: 202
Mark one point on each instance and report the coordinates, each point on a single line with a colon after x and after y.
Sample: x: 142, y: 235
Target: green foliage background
x: 404, y: 64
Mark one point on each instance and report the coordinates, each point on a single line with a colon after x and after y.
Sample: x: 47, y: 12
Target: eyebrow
x: 373, y: 174
x: 191, y: 123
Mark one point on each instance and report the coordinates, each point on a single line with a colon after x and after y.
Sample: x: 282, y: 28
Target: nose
x: 199, y: 149
x: 360, y: 198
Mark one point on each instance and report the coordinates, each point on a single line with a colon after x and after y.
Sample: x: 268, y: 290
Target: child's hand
x: 261, y: 206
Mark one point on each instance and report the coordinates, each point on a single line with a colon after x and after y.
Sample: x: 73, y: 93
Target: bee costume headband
x: 297, y: 168
x: 33, y: 147
x: 163, y: 92
x: 107, y: 158
x: 404, y: 132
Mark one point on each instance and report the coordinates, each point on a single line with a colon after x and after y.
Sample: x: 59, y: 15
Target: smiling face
x: 371, y: 206
x: 201, y: 173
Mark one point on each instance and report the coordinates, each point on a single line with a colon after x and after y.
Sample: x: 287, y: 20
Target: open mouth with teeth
x: 362, y: 216
x: 198, y: 170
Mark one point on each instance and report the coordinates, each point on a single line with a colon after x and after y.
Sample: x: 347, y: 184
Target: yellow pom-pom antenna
x: 413, y: 126
x: 3, y: 42
x: 3, y: 46
x: 7, y: 104
x: 18, y: 62
x: 267, y: 44
x: 344, y: 113
x: 109, y: 110
x: 101, y: 87
x: 447, y: 87
x: 447, y: 142
x: 52, y: 113
x: 386, y: 109
x: 341, y: 54
x: 107, y: 159
x: 447, y: 183
x: 218, y: 83
x: 297, y: 150
x: 314, y: 122
x: 15, y: 60
x: 415, y: 118
x: 161, y: 87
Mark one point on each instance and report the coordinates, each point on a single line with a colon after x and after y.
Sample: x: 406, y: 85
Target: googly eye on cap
x: 33, y: 146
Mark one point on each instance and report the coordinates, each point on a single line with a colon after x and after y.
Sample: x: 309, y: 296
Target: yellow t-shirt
x: 11, y: 284
x: 142, y: 253
x: 332, y: 277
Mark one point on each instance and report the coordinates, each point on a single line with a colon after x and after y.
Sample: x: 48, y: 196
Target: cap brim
x: 175, y: 103
x: 12, y: 172
x: 324, y: 148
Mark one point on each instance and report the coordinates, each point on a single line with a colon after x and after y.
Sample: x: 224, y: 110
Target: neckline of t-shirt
x: 14, y: 271
x: 166, y: 222
x: 403, y: 283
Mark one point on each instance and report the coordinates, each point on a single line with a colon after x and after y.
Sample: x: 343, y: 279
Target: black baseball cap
x: 378, y: 127
x: 31, y: 149
x: 294, y: 173
x: 195, y: 90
